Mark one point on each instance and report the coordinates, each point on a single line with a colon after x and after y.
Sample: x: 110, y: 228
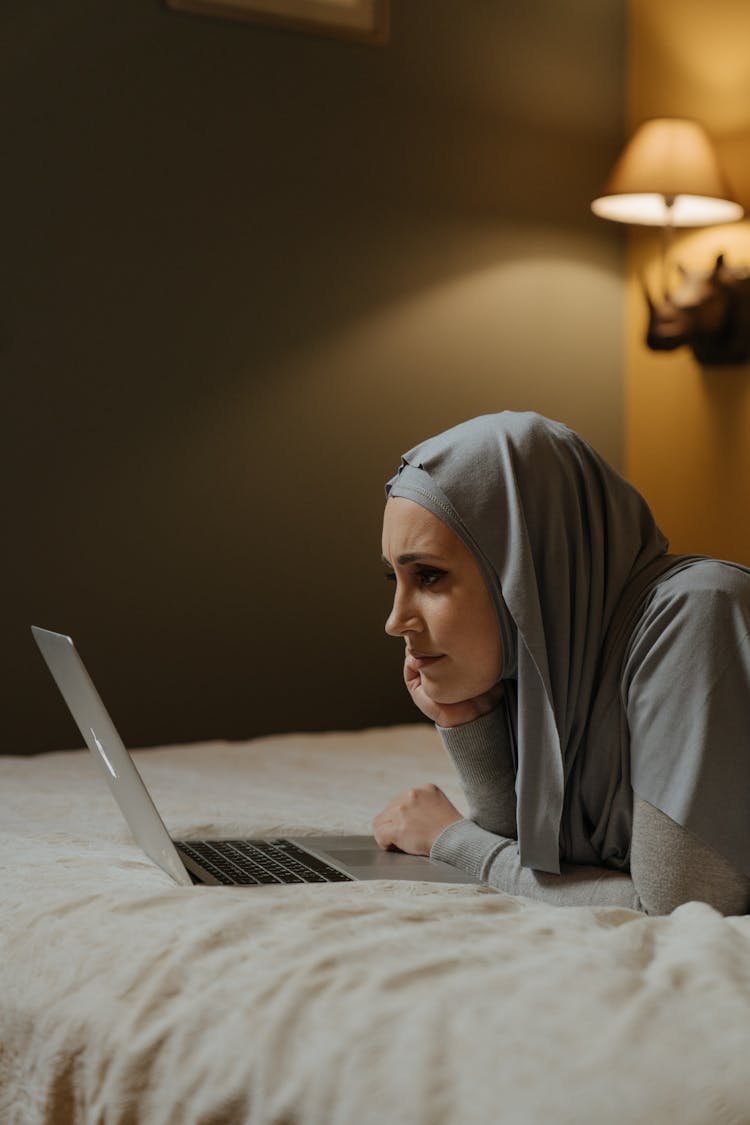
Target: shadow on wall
x: 223, y: 519
x: 301, y: 446
x: 269, y: 264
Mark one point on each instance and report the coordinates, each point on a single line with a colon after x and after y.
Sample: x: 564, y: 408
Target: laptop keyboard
x: 240, y: 862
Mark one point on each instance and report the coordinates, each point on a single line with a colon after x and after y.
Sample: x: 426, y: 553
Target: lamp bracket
x: 708, y: 312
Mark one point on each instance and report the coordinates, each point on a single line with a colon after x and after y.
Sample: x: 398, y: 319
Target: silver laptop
x: 306, y: 859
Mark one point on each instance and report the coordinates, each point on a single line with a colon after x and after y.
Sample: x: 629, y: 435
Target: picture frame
x: 363, y: 21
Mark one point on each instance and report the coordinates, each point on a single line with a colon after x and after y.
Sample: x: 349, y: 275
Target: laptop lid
x: 105, y: 744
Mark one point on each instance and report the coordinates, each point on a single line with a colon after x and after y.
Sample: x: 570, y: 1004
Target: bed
x: 128, y: 999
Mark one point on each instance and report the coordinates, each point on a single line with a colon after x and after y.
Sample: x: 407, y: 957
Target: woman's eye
x: 428, y: 575
x: 425, y: 575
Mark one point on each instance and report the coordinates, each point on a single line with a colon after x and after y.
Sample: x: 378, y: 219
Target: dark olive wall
x: 243, y: 270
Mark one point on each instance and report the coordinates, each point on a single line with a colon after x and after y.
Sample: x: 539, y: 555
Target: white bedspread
x: 125, y: 998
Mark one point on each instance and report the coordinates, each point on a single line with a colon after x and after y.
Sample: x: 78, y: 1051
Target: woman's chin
x: 445, y: 695
x: 441, y: 695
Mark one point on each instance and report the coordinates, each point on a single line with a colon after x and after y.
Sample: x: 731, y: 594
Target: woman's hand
x: 450, y: 714
x: 413, y: 821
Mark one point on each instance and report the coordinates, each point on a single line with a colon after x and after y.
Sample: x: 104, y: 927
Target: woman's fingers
x: 413, y: 820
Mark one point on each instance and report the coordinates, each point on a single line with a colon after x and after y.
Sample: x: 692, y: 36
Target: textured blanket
x: 127, y: 999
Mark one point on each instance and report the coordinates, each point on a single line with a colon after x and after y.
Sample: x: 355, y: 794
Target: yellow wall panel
x: 687, y: 426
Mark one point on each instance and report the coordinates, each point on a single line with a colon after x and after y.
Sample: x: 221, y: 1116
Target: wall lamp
x: 669, y: 176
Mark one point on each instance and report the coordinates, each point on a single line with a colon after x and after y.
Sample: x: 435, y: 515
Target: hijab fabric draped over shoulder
x: 569, y: 551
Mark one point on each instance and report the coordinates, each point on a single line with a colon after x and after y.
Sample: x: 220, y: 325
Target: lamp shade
x: 668, y: 174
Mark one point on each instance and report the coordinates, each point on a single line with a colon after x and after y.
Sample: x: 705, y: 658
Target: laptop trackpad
x: 390, y: 864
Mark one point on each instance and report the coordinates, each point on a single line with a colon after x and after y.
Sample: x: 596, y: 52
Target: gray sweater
x: 668, y: 864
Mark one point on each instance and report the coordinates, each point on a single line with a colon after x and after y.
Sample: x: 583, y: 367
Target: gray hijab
x: 569, y: 550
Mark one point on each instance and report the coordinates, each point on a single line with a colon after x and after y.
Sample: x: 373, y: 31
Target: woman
x: 592, y: 691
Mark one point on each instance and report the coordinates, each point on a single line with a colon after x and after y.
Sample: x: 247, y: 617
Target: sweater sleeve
x: 669, y: 865
x: 484, y: 845
x: 482, y: 756
x: 495, y: 860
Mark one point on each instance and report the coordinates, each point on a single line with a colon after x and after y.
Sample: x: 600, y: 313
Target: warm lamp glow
x: 652, y: 210
x: 668, y: 175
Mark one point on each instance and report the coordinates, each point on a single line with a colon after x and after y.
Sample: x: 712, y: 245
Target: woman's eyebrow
x: 411, y: 557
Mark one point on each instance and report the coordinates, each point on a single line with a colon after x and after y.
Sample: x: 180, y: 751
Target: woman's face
x: 442, y: 607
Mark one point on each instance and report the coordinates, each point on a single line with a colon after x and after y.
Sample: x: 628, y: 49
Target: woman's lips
x: 420, y: 660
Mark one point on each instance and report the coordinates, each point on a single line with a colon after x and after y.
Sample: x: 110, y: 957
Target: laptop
x: 229, y: 862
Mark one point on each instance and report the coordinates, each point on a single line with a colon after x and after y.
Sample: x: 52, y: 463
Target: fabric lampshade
x: 668, y: 174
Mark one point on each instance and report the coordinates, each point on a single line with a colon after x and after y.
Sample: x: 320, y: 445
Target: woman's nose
x: 402, y: 618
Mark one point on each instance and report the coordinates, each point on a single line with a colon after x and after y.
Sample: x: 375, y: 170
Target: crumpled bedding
x: 127, y: 999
